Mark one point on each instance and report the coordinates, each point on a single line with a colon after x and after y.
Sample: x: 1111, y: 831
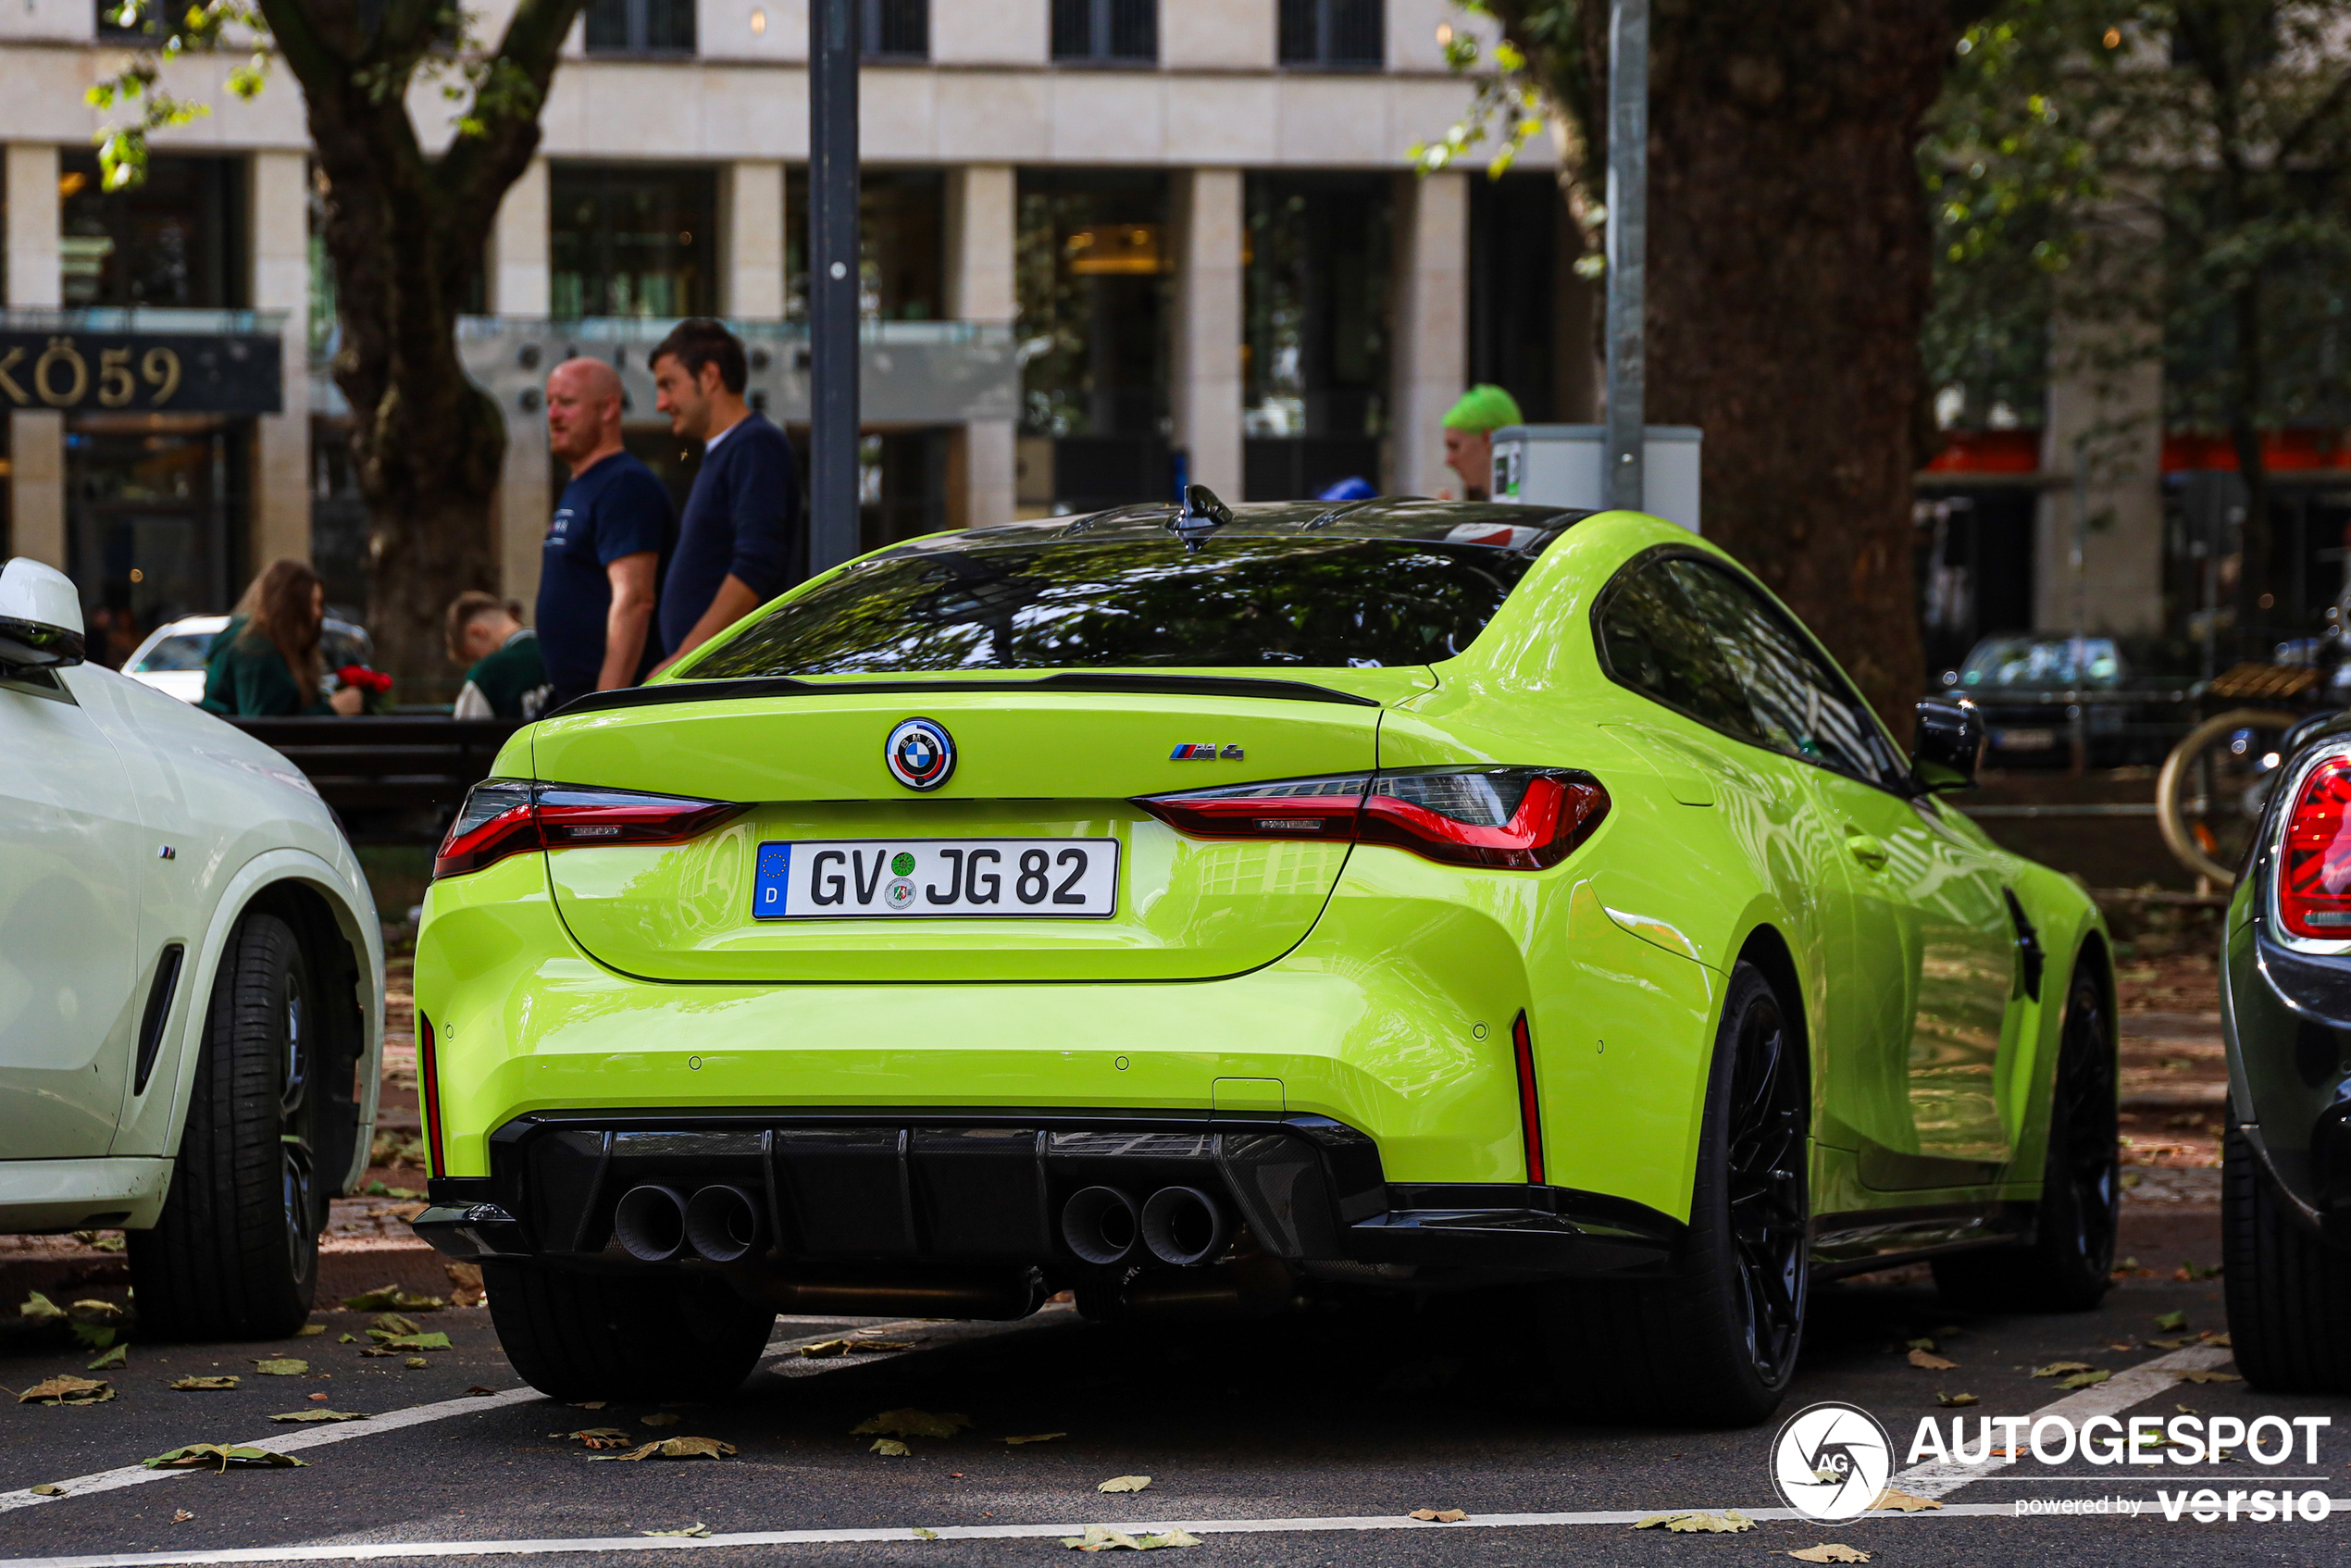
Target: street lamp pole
x: 1628, y: 225
x: 832, y: 281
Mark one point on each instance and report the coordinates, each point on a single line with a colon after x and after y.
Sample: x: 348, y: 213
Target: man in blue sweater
x: 739, y: 543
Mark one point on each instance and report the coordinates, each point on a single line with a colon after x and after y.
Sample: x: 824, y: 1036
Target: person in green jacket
x: 505, y: 678
x: 264, y: 664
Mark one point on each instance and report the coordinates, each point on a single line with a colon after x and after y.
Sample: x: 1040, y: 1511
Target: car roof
x: 1499, y: 525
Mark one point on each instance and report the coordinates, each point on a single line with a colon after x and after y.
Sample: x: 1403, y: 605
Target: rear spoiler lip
x: 1066, y: 681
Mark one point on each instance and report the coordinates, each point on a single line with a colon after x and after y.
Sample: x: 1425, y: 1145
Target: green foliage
x: 1535, y: 76
x: 2170, y: 173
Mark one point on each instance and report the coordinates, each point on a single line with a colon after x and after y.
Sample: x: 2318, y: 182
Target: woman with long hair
x: 265, y: 663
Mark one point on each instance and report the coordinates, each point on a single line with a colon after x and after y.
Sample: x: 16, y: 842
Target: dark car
x: 2029, y: 687
x: 2285, y: 998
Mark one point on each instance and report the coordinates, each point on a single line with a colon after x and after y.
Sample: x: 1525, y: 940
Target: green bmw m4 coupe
x: 1200, y: 909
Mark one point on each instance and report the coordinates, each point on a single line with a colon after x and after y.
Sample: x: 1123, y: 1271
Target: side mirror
x: 1948, y: 745
x: 40, y: 618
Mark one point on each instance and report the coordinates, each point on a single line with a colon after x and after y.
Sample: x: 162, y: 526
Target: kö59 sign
x: 141, y: 372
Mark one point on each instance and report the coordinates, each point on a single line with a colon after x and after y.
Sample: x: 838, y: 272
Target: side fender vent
x: 158, y: 1013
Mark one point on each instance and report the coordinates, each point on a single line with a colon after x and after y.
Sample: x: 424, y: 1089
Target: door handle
x: 1870, y: 852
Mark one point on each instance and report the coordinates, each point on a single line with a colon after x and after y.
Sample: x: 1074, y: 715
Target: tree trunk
x: 1788, y: 273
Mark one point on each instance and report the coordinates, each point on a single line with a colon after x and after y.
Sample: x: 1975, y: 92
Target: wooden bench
x: 396, y: 779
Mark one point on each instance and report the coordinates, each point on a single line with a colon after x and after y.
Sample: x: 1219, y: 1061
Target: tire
x: 1715, y: 1343
x: 2069, y: 1265
x: 2288, y: 1292
x: 606, y: 1337
x: 235, y: 1254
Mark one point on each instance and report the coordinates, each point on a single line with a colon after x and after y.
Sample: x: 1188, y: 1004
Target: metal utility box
x: 1559, y: 465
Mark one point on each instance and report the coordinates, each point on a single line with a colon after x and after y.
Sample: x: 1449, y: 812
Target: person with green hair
x: 1470, y: 424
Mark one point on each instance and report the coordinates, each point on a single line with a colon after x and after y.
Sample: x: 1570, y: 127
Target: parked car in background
x: 191, y: 985
x: 2029, y: 687
x: 172, y: 658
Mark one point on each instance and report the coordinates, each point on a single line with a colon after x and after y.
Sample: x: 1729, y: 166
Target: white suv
x: 190, y: 984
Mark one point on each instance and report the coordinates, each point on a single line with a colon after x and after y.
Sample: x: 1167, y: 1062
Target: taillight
x: 429, y: 1093
x: 502, y: 818
x: 1522, y: 818
x: 2314, y: 885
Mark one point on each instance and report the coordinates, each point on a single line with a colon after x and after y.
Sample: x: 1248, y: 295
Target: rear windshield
x: 1237, y: 602
x: 184, y: 652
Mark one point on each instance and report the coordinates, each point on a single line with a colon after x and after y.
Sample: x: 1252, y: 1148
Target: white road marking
x: 282, y: 1441
x: 366, y: 1551
x: 1941, y: 1477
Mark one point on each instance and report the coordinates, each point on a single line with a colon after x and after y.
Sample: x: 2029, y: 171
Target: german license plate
x: 2024, y: 739
x: 1002, y: 879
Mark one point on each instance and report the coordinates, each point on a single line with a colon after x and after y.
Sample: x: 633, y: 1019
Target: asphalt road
x: 1354, y: 1414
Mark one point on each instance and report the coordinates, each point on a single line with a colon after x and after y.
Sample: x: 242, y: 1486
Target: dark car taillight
x: 1522, y: 818
x: 2314, y: 883
x: 504, y: 816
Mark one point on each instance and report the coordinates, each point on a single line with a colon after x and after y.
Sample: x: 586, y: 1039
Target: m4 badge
x: 1205, y: 753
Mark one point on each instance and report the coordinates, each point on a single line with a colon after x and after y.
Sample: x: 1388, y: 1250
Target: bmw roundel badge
x: 921, y: 754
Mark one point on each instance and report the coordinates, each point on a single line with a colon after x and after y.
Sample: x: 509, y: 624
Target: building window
x: 1335, y: 34
x: 1106, y: 31
x: 1314, y: 360
x: 896, y: 29
x: 632, y: 240
x: 901, y: 245
x: 177, y: 239
x: 640, y: 27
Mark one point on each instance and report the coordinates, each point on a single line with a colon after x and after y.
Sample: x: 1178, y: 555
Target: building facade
x: 1106, y: 243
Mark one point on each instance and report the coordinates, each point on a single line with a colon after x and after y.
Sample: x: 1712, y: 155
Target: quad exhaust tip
x: 723, y: 1223
x: 649, y: 1223
x: 1099, y: 1224
x: 1183, y: 1226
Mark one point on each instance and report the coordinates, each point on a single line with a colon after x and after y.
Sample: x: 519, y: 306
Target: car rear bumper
x: 845, y: 1195
x: 2287, y: 1018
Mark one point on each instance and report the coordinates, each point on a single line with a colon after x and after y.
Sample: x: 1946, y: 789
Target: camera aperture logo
x: 1832, y: 1460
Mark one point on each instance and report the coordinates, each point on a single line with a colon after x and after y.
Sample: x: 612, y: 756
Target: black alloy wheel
x: 1770, y: 1216
x: 2069, y: 1266
x: 297, y: 1120
x: 1713, y: 1340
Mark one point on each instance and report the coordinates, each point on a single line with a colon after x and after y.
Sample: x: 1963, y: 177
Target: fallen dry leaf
x: 1438, y: 1515
x: 1830, y: 1551
x: 48, y: 1489
x: 307, y: 1329
x: 2219, y: 1340
x: 923, y: 1535
x: 436, y: 1341
x: 321, y: 1415
x: 1102, y: 1538
x: 1931, y: 1361
x: 910, y: 1423
x: 67, y: 1389
x: 597, y: 1436
x: 92, y: 1309
x: 1033, y: 1438
x: 477, y: 1388
x: 1921, y: 1344
x: 465, y: 1283
x: 674, y: 1448
x: 696, y: 1528
x: 220, y: 1454
x: 1903, y: 1502
x: 415, y: 1364
x: 1954, y: 1400
x: 590, y: 1404
x: 2172, y: 1322
x: 2205, y: 1375
x: 824, y: 1348
x: 1730, y: 1522
x: 391, y: 1298
x: 390, y: 1326
x: 118, y: 1356
x: 180, y: 1516
x: 281, y: 1366
x: 1125, y: 1484
x: 889, y: 1447
x: 879, y: 1347
x: 192, y: 1383
x: 659, y: 1418
x: 2059, y: 1368
x: 39, y: 1308
x: 2083, y: 1379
